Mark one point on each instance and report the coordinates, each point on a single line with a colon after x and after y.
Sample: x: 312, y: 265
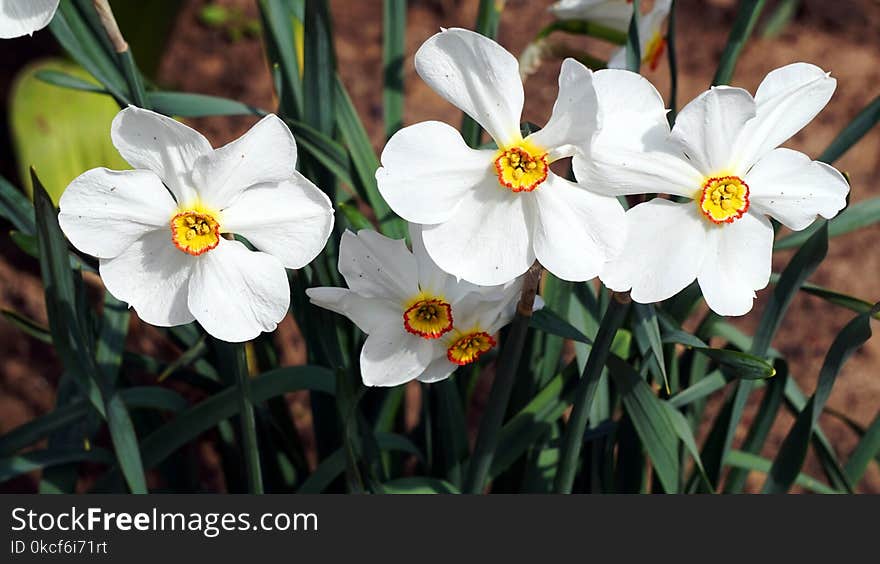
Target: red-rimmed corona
x: 195, y: 232
x: 724, y: 199
x: 469, y: 347
x: 428, y: 317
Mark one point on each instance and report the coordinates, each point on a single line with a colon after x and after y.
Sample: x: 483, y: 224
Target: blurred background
x: 213, y: 47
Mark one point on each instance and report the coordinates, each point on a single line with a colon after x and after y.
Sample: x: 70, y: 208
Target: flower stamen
x: 724, y: 199
x: 468, y: 347
x: 429, y: 318
x: 195, y: 232
x: 522, y: 167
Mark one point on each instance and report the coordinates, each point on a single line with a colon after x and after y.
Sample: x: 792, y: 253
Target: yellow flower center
x: 428, y: 317
x: 195, y: 232
x: 468, y: 347
x: 724, y: 199
x: 522, y: 167
x: 654, y: 51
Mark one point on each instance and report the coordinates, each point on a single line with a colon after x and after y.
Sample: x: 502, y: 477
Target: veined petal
x: 426, y: 168
x: 376, y: 266
x: 439, y: 369
x: 104, y: 211
x: 618, y: 172
x: 265, y: 154
x: 707, y: 128
x: 369, y: 314
x: 151, y: 141
x: 787, y: 99
x: 615, y: 14
x: 478, y: 76
x: 663, y: 253
x: 236, y: 294
x: 790, y: 187
x: 576, y: 231
x: 291, y: 220
x: 737, y: 263
x: 489, y: 239
x: 24, y: 17
x: 152, y: 276
x: 574, y: 118
x: 392, y: 356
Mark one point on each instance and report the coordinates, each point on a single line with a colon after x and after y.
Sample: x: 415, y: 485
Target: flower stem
x: 586, y: 390
x: 499, y: 397
x: 126, y: 59
x: 248, y: 426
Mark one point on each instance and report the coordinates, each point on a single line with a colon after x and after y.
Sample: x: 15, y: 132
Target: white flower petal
x: 152, y: 276
x: 291, y: 220
x: 788, y: 99
x: 663, y: 253
x: 376, y: 266
x: 265, y: 154
x: 478, y: 76
x: 618, y: 172
x: 737, y: 263
x: 151, y: 141
x: 431, y: 278
x: 369, y: 314
x: 489, y: 239
x: 24, y: 17
x: 439, y: 369
x: 707, y: 128
x: 574, y: 117
x: 392, y: 356
x: 426, y: 168
x: 104, y: 211
x: 236, y: 294
x: 792, y: 188
x: 577, y: 231
x: 615, y: 14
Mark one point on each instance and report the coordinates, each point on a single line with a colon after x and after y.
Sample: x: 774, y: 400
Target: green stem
x: 499, y: 397
x: 248, y: 425
x: 586, y: 390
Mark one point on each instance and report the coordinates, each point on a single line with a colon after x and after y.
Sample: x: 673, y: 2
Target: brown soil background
x: 842, y: 36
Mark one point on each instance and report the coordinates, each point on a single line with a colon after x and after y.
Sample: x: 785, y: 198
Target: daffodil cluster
x: 196, y: 233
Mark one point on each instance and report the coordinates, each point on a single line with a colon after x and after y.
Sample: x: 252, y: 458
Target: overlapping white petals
x: 489, y: 240
x: 265, y: 154
x: 576, y: 229
x: 620, y: 172
x: 476, y: 75
x: 24, y: 17
x: 664, y: 250
x: 708, y: 126
x: 376, y: 266
x: 290, y: 220
x: 790, y: 187
x: 369, y: 314
x: 575, y: 112
x: 152, y: 276
x: 426, y: 170
x: 151, y: 141
x: 103, y: 212
x: 236, y: 294
x: 787, y: 100
x: 391, y: 357
x: 736, y: 263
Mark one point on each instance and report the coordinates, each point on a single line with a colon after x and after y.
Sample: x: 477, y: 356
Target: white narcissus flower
x: 24, y: 17
x: 652, y: 40
x: 421, y: 323
x: 162, y: 232
x: 489, y: 213
x: 614, y: 14
x: 722, y: 155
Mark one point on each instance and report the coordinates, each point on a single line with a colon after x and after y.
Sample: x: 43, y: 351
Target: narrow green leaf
x: 708, y: 385
x: 393, y: 56
x: 16, y: 208
x: 651, y: 419
x: 39, y: 459
x: 28, y: 326
x: 856, y: 216
x: 780, y: 18
x: 748, y: 461
x: 739, y: 364
x: 746, y: 17
x: 683, y: 430
x: 633, y: 47
x: 552, y: 323
x: 646, y: 330
x: 672, y: 57
x: 189, y: 105
x: 793, y: 451
x: 419, y: 485
x: 855, y: 130
x: 66, y: 80
x: 278, y: 35
x: 868, y: 449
